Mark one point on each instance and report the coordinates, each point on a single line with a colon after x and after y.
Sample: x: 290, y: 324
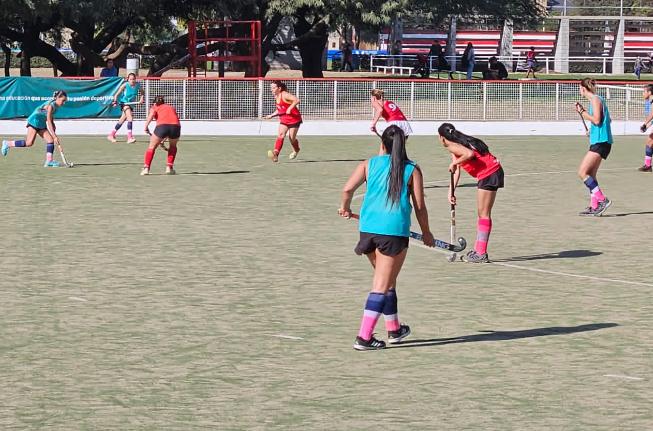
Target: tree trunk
x: 311, y: 41
x: 7, y: 52
x: 25, y: 64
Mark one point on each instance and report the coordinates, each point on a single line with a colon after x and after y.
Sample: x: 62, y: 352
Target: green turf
x: 157, y: 302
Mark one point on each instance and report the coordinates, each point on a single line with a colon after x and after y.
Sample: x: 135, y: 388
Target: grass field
x: 228, y: 297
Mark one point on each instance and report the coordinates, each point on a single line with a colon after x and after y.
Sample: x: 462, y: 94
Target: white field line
x: 287, y: 337
x: 617, y: 376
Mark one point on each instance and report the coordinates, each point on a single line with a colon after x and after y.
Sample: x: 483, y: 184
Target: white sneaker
x: 293, y: 155
x: 145, y: 171
x: 170, y: 170
x: 131, y: 140
x: 111, y: 138
x: 273, y: 155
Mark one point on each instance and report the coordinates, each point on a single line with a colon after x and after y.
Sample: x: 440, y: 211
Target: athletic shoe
x: 131, y: 140
x: 372, y: 344
x: 111, y: 138
x: 145, y: 171
x: 51, y: 164
x: 5, y: 148
x: 473, y: 257
x: 603, y: 205
x: 587, y: 212
x: 293, y: 155
x: 170, y: 170
x: 396, y: 336
x: 645, y: 169
x: 273, y: 155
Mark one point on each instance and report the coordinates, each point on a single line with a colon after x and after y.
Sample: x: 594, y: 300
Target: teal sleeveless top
x: 603, y: 132
x: 131, y: 93
x: 38, y: 118
x: 378, y: 215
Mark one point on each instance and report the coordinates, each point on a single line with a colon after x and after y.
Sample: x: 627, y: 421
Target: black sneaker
x: 645, y: 169
x: 603, y: 205
x: 372, y: 344
x: 587, y: 212
x: 473, y: 257
x: 396, y: 336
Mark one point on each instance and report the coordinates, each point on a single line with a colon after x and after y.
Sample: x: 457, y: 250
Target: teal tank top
x: 378, y: 215
x: 603, y: 132
x: 38, y: 118
x: 131, y: 93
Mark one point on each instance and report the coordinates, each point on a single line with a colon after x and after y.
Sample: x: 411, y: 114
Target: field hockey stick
x: 453, y: 218
x: 462, y: 242
x: 580, y: 114
x: 163, y: 145
x: 63, y: 157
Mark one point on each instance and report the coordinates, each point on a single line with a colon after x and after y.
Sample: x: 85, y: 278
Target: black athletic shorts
x: 293, y: 125
x: 171, y: 131
x: 35, y: 128
x: 492, y: 183
x: 602, y: 149
x: 389, y: 245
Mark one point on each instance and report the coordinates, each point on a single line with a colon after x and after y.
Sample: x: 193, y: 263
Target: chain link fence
x: 419, y: 100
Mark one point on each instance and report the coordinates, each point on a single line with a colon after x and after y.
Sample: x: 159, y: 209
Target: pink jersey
x: 391, y: 112
x: 289, y: 119
x: 481, y: 166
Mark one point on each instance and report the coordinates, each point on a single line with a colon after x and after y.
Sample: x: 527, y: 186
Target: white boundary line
x: 617, y: 376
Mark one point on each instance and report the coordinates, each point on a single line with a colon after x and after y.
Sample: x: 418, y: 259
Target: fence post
x: 260, y: 99
x: 220, y: 99
x: 604, y: 66
x: 557, y: 100
x: 521, y: 101
x: 484, y: 101
x: 449, y: 100
x: 412, y: 99
x: 546, y: 61
x: 335, y: 100
x: 371, y: 62
x: 627, y: 117
x: 147, y: 92
x: 183, y: 101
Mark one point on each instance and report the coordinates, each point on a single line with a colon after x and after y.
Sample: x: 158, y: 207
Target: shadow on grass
x: 628, y: 214
x: 108, y: 164
x: 507, y: 335
x: 213, y: 173
x: 328, y: 161
x: 567, y: 254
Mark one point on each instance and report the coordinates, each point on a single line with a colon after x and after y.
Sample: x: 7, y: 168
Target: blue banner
x: 20, y: 96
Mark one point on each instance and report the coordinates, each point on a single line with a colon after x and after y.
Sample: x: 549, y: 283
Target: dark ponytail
x: 158, y: 100
x: 280, y: 84
x: 59, y: 93
x: 394, y: 140
x: 449, y: 132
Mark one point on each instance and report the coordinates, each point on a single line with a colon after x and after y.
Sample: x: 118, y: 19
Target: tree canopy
x: 114, y: 28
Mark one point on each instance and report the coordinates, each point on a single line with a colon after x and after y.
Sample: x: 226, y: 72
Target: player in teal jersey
x: 126, y: 96
x: 41, y: 123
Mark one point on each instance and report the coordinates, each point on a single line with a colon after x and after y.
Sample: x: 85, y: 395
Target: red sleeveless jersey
x: 165, y: 114
x: 481, y: 166
x: 391, y: 112
x: 293, y: 118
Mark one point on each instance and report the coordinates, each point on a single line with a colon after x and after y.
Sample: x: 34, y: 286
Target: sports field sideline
x: 228, y: 297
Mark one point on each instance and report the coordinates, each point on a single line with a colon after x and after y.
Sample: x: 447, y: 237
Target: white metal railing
x: 348, y: 99
x: 407, y: 64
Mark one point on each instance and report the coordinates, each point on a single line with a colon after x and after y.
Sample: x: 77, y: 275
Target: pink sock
x: 483, y: 230
x: 598, y: 194
x: 49, y: 157
x: 367, y: 324
x: 113, y: 133
x: 593, y: 201
x: 647, y: 161
x: 391, y: 322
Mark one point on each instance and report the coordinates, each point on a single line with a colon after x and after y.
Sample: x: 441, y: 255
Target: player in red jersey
x: 389, y: 111
x: 289, y: 119
x: 167, y: 127
x: 473, y: 155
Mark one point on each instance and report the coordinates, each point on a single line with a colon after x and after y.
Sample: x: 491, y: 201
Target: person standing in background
x: 110, y: 71
x: 469, y: 60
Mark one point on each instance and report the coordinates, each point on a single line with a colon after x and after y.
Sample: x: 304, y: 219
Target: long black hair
x: 449, y: 132
x: 649, y: 88
x: 394, y: 141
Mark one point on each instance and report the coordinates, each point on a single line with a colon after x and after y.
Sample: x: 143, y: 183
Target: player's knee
x: 281, y: 136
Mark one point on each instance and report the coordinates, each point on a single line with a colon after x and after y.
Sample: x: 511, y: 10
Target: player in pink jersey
x: 473, y: 155
x: 389, y: 111
x: 289, y: 119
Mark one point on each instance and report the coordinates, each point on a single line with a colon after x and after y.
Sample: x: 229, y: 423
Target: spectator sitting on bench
x: 495, y: 70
